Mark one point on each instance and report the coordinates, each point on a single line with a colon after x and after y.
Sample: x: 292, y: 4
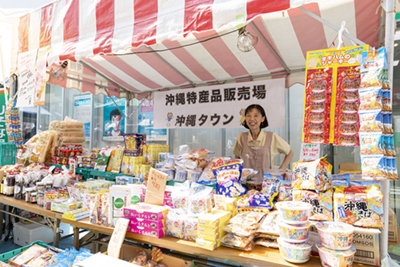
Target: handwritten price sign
x: 156, y: 187
x: 310, y: 151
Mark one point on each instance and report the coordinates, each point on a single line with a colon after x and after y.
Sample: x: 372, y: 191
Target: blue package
x: 231, y: 187
x: 227, y: 171
x: 262, y: 201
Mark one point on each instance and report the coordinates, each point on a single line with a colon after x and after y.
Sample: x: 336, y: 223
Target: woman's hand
x: 287, y: 160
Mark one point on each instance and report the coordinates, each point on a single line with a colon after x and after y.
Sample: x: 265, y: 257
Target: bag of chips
x: 312, y: 175
x: 360, y: 206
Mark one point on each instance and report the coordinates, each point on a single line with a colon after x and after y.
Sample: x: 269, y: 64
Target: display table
x: 260, y: 256
x: 52, y: 218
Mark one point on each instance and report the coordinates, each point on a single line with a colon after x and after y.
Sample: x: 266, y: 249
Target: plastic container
x: 295, y: 233
x: 335, y: 258
x: 294, y: 212
x: 8, y: 255
x: 335, y: 235
x: 295, y: 252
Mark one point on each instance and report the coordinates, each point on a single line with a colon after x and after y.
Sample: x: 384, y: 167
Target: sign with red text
x: 310, y: 151
x: 156, y: 187
x: 118, y: 236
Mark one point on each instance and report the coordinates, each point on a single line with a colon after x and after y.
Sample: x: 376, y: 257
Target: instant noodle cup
x: 335, y: 258
x: 335, y: 235
x: 294, y: 233
x: 293, y: 212
x: 295, y: 252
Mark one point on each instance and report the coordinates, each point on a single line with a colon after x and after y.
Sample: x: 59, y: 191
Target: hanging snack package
x: 373, y: 167
x: 371, y: 122
x: 316, y: 138
x: 345, y: 140
x: 360, y: 206
x: 180, y: 195
x: 312, y: 175
x: 372, y: 144
x: 387, y: 123
x: 371, y: 100
x: 374, y: 69
x: 387, y: 106
x: 322, y: 203
x: 317, y: 117
x: 175, y: 223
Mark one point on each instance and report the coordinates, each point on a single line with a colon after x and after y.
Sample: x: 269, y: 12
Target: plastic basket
x: 8, y: 154
x: 8, y: 255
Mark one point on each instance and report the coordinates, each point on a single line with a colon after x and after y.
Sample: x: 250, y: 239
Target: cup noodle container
x: 336, y: 258
x: 294, y: 212
x: 295, y: 252
x: 295, y: 233
x: 335, y: 235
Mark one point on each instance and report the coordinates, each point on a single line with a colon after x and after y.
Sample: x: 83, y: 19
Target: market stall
x: 201, y: 53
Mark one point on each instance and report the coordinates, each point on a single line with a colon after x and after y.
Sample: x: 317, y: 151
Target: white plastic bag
x: 388, y: 262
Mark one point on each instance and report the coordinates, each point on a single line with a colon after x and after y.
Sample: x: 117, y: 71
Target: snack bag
x: 248, y: 174
x: 207, y: 177
x: 267, y: 242
x: 347, y: 108
x: 319, y: 81
x: 322, y: 208
x: 175, y: 223
x: 94, y: 204
x: 387, y: 123
x: 360, y: 206
x: 191, y: 224
x: 312, y: 175
x: 231, y: 187
x: 373, y: 167
x: 227, y: 171
x: 140, y: 258
x: 285, y: 191
x: 180, y: 195
x: 317, y: 117
x: 316, y: 138
x: 372, y: 144
x: 371, y: 122
x: 270, y: 224
x: 374, y: 69
x: 346, y: 140
x: 105, y: 210
x: 371, y: 100
x: 237, y: 242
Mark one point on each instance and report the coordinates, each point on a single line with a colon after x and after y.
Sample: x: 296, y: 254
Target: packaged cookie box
x: 146, y: 211
x: 215, y: 218
x: 138, y: 222
x: 157, y: 233
x: 209, y: 236
x: 209, y: 245
x: 210, y: 231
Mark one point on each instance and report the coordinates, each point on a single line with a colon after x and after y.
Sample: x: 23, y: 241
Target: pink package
x: 167, y: 193
x: 137, y: 222
x: 168, y: 202
x: 146, y: 211
x: 146, y: 231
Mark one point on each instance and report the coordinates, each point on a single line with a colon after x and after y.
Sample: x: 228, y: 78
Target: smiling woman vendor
x: 258, y: 148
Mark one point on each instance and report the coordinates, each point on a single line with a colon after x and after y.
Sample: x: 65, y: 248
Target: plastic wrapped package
x: 322, y: 203
x: 312, y: 175
x: 105, y: 210
x: 200, y: 201
x: 180, y: 195
x: 270, y: 224
x: 237, y: 242
x: 72, y: 140
x: 140, y: 259
x: 42, y: 146
x: 231, y: 187
x: 180, y: 174
x: 66, y: 125
x: 208, y: 177
x: 191, y: 225
x: 72, y: 133
x: 285, y: 191
x: 93, y: 208
x: 266, y: 242
x: 175, y: 223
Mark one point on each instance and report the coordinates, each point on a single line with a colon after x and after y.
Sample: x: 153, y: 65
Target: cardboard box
x: 129, y: 252
x: 366, y: 242
x: 157, y: 233
x: 146, y: 211
x: 134, y: 222
x: 26, y: 234
x: 393, y: 234
x: 349, y: 167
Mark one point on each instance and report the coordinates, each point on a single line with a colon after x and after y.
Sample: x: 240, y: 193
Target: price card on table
x: 118, y: 236
x: 156, y: 187
x: 310, y: 151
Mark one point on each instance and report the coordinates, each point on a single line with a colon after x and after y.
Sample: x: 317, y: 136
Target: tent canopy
x: 142, y: 46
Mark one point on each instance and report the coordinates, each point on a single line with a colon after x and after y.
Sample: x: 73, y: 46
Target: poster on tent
x: 331, y: 96
x: 83, y: 111
x: 114, y: 120
x: 3, y: 133
x: 41, y: 77
x: 219, y: 106
x: 146, y: 121
x: 26, y: 78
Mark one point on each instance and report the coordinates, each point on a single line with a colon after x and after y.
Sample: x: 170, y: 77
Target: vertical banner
x: 41, y: 76
x: 26, y: 78
x: 114, y: 121
x: 3, y: 133
x: 83, y: 111
x: 219, y: 106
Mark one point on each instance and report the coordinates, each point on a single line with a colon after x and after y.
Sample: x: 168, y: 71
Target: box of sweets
x: 158, y: 233
x: 146, y: 211
x: 138, y: 222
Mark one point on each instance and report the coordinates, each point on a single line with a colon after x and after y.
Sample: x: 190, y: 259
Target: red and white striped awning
x: 147, y: 45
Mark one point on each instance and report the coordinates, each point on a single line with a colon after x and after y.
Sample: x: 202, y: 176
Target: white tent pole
x: 389, y: 44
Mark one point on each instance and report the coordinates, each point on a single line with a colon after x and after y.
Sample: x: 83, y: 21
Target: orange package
x: 312, y: 175
x: 359, y: 205
x: 322, y: 203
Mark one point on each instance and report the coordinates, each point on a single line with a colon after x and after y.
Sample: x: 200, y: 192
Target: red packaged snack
x: 346, y: 118
x: 348, y: 79
x: 316, y: 138
x: 347, y: 108
x: 346, y: 140
x: 348, y: 129
x: 319, y: 81
x: 348, y: 97
x: 316, y: 117
x: 317, y: 128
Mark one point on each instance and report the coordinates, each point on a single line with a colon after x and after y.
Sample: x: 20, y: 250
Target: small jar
x: 33, y: 198
x: 40, y: 194
x: 28, y: 193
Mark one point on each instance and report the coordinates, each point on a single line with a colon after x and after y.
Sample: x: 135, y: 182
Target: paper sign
x: 220, y: 202
x: 156, y: 187
x: 114, y: 246
x: 309, y: 151
x: 26, y: 78
x: 40, y: 86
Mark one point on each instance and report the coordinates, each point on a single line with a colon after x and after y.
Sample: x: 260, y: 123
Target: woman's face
x: 254, y: 119
x: 116, y: 122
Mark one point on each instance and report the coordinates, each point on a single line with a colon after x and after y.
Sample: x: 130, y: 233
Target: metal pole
x: 389, y: 44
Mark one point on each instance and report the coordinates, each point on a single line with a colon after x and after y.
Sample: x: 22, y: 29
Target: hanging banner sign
x: 26, y: 78
x: 219, y: 106
x: 41, y: 77
x: 114, y: 120
x: 83, y: 111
